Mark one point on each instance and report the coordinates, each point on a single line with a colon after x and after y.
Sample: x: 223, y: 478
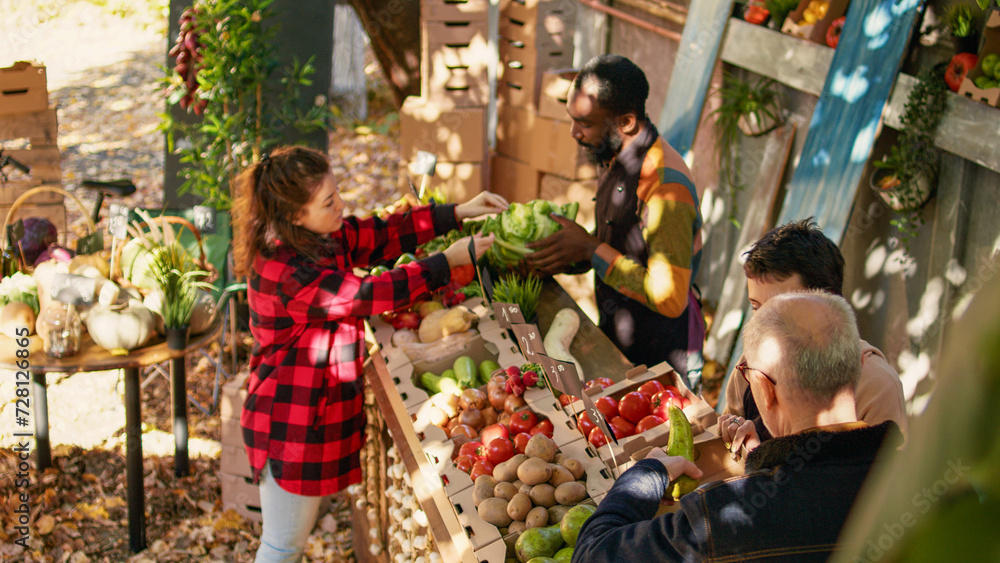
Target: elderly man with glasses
x: 803, y: 360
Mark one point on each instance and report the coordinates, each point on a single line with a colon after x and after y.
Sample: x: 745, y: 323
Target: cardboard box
x: 796, y: 25
x: 513, y: 179
x: 240, y: 494
x: 23, y: 88
x: 455, y: 62
x: 544, y: 24
x: 520, y: 72
x: 553, y: 93
x: 234, y: 393
x: 452, y: 10
x: 990, y: 44
x: 563, y: 190
x: 232, y: 432
x: 453, y: 135
x: 233, y: 461
x: 556, y: 151
x: 515, y: 132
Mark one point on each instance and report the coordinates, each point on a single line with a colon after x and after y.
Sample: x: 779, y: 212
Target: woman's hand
x: 458, y: 253
x: 738, y: 434
x: 482, y: 204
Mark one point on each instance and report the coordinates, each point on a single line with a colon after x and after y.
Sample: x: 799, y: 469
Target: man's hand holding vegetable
x: 557, y: 252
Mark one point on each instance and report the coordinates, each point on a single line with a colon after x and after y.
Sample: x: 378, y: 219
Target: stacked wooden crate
x: 29, y: 134
x: 533, y: 129
x: 449, y: 118
x: 239, y: 493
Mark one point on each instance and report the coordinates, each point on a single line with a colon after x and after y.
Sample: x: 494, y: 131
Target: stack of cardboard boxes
x: 238, y: 491
x: 28, y: 134
x: 536, y: 155
x: 449, y: 118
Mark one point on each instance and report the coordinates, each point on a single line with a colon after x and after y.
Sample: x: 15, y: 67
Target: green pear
x: 564, y: 555
x: 573, y: 521
x: 538, y: 542
x: 541, y: 560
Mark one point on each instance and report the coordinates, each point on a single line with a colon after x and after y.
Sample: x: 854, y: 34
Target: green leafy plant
x: 227, y: 69
x: 779, y: 10
x: 524, y: 292
x: 178, y: 282
x: 912, y: 162
x: 752, y: 107
x: 961, y: 20
x: 520, y: 224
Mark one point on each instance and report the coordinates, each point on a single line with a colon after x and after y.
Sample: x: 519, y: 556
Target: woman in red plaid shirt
x: 303, y: 424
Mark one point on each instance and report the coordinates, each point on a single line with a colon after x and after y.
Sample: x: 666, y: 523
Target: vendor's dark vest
x: 643, y: 335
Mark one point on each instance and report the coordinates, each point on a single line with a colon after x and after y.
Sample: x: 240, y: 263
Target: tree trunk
x: 394, y: 30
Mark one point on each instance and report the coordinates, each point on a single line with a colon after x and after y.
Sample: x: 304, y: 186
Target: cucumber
x: 450, y: 374
x: 466, y: 372
x: 438, y: 384
x: 486, y: 370
x: 680, y: 443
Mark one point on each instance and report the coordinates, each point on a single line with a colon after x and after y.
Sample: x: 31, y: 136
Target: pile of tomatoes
x: 499, y: 442
x: 635, y: 413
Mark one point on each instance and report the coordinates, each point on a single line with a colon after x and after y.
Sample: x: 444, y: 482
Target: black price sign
x: 204, y: 219
x: 508, y: 314
x: 529, y: 340
x: 562, y: 375
x: 72, y: 289
x: 118, y: 221
x: 94, y: 242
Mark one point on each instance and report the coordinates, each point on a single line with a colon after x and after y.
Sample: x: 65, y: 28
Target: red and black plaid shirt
x: 304, y: 406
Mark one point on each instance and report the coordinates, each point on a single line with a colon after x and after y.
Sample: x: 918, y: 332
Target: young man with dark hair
x: 799, y: 257
x: 647, y: 245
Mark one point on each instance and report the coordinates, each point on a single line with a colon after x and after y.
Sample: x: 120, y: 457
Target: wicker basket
x: 27, y: 195
x: 137, y: 230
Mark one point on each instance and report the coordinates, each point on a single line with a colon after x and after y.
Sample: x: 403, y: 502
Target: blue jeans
x: 288, y: 520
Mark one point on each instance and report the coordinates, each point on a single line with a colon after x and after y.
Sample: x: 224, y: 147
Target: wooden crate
x: 36, y: 133
x: 240, y: 494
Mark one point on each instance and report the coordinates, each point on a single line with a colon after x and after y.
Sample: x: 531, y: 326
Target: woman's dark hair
x: 621, y: 85
x: 269, y: 194
x: 797, y: 248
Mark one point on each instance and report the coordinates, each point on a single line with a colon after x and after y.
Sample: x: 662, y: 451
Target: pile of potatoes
x: 530, y: 490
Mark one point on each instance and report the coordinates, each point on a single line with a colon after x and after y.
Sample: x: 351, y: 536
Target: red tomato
x: 462, y: 276
x: 622, y: 427
x: 543, y: 427
x: 607, y: 406
x: 520, y: 441
x: 475, y: 449
x: 634, y: 407
x: 755, y: 14
x: 585, y: 425
x: 645, y: 424
x: 567, y: 400
x: 481, y: 467
x: 672, y: 389
x: 650, y: 388
x: 522, y: 421
x: 499, y: 451
x: 686, y: 402
x: 833, y: 32
x: 660, y: 404
x: 494, y: 431
x: 465, y: 462
x: 597, y: 438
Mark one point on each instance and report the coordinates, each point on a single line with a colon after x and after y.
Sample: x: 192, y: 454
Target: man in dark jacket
x: 803, y: 359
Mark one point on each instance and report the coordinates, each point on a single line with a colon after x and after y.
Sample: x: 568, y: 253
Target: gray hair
x: 822, y: 354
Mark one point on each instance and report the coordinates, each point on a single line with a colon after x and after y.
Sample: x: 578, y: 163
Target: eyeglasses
x: 743, y: 368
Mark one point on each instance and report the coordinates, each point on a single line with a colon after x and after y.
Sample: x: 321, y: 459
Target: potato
x: 574, y: 466
x: 571, y: 493
x: 518, y: 507
x: 560, y: 475
x: 541, y: 446
x: 518, y: 483
x: 534, y: 471
x: 516, y: 527
x: 507, y: 471
x: 557, y: 512
x: 481, y: 492
x: 543, y: 495
x: 537, y: 518
x: 486, y: 479
x: 494, y: 511
x: 524, y: 488
x: 504, y: 490
x: 559, y: 458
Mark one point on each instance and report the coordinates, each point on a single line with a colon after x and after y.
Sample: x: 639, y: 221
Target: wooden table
x: 90, y: 358
x: 598, y: 356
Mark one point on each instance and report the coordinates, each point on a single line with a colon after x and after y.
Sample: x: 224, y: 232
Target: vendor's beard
x: 606, y: 150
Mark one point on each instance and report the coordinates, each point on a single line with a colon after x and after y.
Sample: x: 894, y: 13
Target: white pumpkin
x: 203, y: 313
x: 119, y: 329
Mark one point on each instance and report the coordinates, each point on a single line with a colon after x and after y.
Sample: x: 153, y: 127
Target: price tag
x: 597, y: 418
x: 529, y: 340
x: 508, y: 314
x: 562, y: 375
x: 94, y: 242
x: 204, y: 219
x: 118, y: 221
x: 72, y: 289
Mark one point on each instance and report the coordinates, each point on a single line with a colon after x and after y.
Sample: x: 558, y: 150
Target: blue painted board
x: 840, y: 137
x: 689, y: 79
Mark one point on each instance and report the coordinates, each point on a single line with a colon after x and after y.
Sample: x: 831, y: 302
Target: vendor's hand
x: 569, y: 245
x: 458, y: 253
x: 676, y: 465
x: 738, y: 434
x: 484, y: 203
